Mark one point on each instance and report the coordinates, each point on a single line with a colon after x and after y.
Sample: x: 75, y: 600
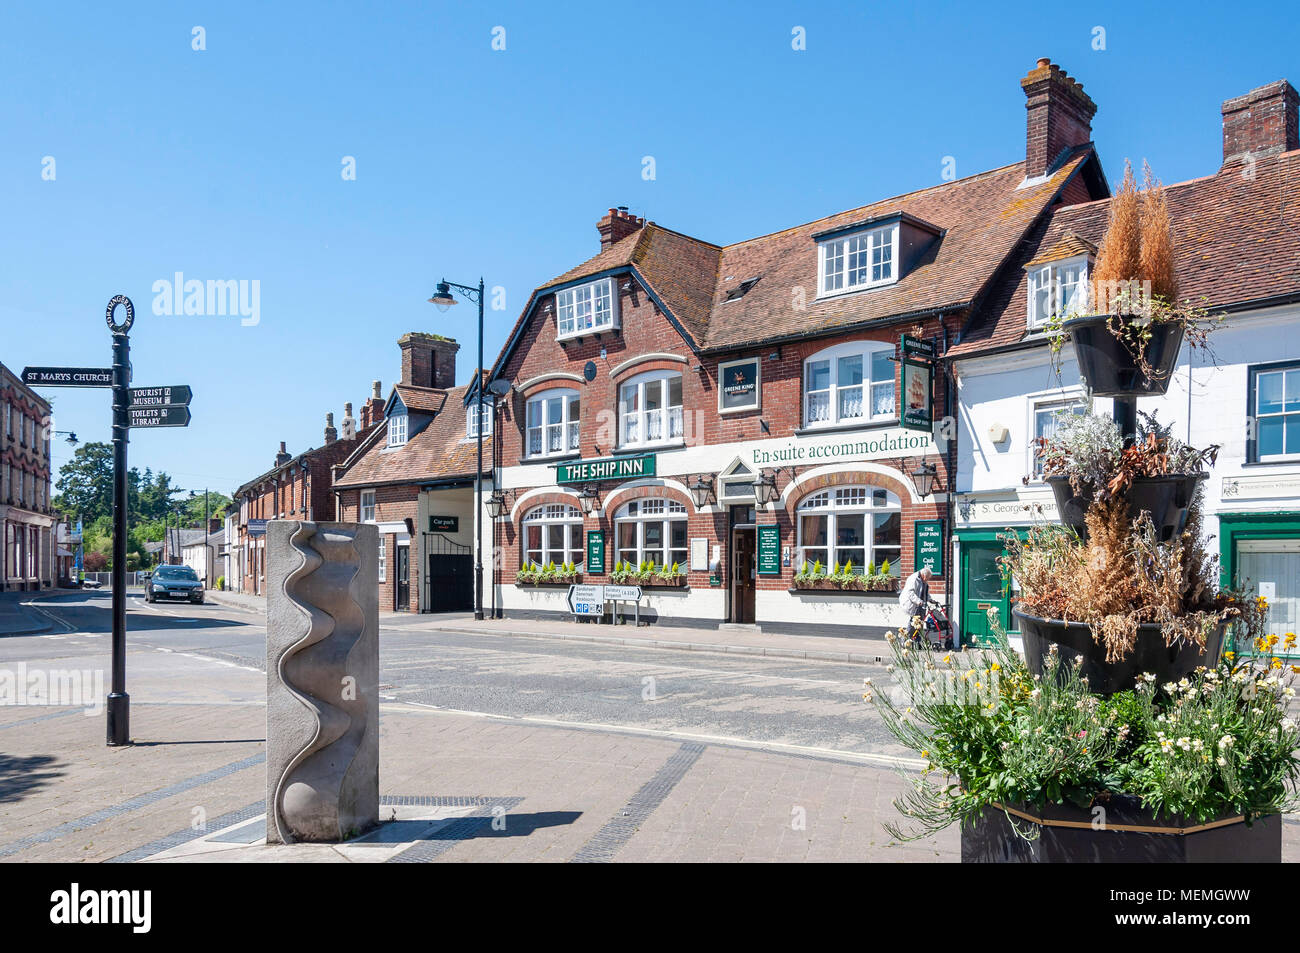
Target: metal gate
x: 449, y: 582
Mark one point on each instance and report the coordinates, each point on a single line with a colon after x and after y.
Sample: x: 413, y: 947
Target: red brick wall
x: 392, y: 504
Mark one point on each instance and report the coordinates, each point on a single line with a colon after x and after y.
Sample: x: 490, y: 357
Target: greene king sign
x: 610, y: 468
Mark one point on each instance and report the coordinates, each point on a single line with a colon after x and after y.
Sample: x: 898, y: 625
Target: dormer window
x: 858, y: 261
x: 586, y: 309
x: 1058, y: 288
x: 473, y: 421
x: 397, y: 429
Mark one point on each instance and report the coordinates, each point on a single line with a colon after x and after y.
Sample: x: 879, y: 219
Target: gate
x: 449, y: 583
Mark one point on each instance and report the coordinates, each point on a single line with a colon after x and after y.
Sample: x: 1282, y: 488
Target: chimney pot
x: 617, y: 225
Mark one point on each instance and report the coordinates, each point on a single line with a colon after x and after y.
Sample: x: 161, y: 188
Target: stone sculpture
x: 322, y: 681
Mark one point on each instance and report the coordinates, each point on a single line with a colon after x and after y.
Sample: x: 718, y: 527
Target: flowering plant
x: 1221, y: 742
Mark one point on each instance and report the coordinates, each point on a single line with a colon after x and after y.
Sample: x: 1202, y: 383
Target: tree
x: 85, y: 483
x: 95, y: 561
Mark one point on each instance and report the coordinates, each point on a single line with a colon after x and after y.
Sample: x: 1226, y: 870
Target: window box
x: 860, y: 586
x: 549, y: 583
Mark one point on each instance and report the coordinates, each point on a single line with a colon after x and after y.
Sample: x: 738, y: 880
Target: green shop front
x: 1260, y: 551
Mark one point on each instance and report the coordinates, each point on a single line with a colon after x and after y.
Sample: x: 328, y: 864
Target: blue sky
x: 226, y: 163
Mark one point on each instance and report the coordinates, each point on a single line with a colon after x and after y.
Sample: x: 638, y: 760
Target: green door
x: 982, y: 588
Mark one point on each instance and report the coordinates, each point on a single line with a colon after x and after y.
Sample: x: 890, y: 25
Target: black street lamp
x: 701, y: 491
x: 923, y: 476
x: 765, y: 488
x: 588, y: 499
x: 444, y: 299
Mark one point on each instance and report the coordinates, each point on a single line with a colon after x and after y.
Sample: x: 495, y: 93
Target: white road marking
x: 776, y: 746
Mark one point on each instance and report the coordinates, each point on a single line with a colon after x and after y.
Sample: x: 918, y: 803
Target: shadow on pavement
x: 521, y: 825
x: 216, y: 741
x: 93, y: 612
x: 20, y: 776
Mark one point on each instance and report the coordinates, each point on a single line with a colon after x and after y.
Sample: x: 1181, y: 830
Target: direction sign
x: 177, y: 396
x: 587, y: 600
x: 159, y: 416
x: 622, y: 593
x: 68, y: 376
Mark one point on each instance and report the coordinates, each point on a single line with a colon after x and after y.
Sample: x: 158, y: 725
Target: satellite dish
x: 589, y: 372
x: 499, y: 387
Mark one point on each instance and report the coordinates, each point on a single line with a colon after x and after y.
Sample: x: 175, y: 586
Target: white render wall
x: 1001, y: 390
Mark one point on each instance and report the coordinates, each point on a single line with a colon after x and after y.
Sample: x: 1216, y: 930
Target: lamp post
x: 442, y: 300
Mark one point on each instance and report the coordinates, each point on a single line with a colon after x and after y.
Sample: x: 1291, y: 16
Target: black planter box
x: 1068, y: 836
x: 1110, y: 369
x: 1166, y: 498
x: 1150, y: 654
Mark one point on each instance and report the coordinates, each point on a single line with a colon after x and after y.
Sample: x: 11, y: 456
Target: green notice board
x: 769, y: 550
x: 929, y: 545
x: 595, y: 552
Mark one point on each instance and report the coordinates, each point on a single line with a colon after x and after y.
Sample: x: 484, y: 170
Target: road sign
x: 144, y: 417
x: 622, y: 593
x: 257, y: 527
x: 68, y: 376
x: 177, y: 396
x: 587, y: 600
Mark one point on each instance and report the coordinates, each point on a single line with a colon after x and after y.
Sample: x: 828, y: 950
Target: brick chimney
x: 428, y: 360
x: 1060, y: 116
x: 617, y: 225
x: 284, y: 456
x: 330, y: 433
x: 1261, y: 123
x: 372, y: 411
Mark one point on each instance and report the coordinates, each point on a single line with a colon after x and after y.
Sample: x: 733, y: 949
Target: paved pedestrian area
x: 739, y: 640
x: 456, y: 788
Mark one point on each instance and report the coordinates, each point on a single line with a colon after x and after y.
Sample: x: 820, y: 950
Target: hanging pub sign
x: 917, y: 384
x: 769, y: 550
x: 595, y: 553
x: 739, y: 388
x: 608, y: 468
x: 929, y: 545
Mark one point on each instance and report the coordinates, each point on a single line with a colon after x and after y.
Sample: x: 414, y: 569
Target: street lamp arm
x: 472, y: 293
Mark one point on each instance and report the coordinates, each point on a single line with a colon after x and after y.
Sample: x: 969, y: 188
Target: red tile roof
x: 1236, y: 240
x: 438, y: 452
x: 982, y: 219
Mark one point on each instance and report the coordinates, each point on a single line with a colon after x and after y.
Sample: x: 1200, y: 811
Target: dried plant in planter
x: 1133, y: 280
x: 1089, y: 450
x: 1124, y: 577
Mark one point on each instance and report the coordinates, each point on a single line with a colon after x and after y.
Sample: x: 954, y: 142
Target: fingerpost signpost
x: 132, y: 407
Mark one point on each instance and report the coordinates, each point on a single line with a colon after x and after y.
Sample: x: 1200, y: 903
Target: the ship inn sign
x: 607, y: 468
x: 878, y: 444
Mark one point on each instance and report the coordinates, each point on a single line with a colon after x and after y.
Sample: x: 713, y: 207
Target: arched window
x: 650, y: 409
x: 652, y: 530
x: 849, y: 383
x: 858, y: 524
x: 553, y: 534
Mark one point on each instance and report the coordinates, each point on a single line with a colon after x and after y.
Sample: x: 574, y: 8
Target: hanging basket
x: 1166, y: 498
x: 1111, y: 369
x: 1167, y: 663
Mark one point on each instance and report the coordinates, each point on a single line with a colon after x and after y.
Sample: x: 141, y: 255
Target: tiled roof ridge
x: 890, y: 198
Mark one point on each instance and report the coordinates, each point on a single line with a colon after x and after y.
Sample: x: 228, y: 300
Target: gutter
x: 838, y: 329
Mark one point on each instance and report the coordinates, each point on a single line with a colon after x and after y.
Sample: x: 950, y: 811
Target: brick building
x: 1236, y: 239
x: 766, y: 378
x: 297, y: 487
x: 414, y: 478
x: 27, y: 543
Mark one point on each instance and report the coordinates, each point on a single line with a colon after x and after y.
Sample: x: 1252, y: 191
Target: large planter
x: 1166, y: 498
x: 1150, y: 654
x: 1111, y: 369
x: 1122, y: 832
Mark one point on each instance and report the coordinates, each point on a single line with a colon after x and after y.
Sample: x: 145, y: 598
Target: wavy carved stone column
x: 322, y: 680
